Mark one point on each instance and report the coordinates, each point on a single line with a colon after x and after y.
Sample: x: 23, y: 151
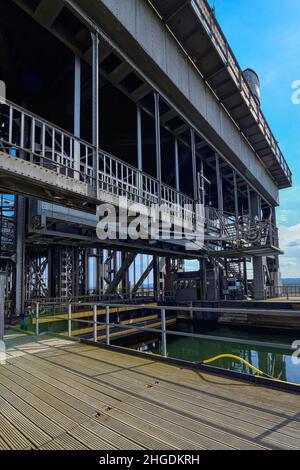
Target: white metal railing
x: 26, y: 136
x: 106, y: 328
x: 31, y: 138
x: 179, y: 204
x: 242, y: 230
x: 207, y: 18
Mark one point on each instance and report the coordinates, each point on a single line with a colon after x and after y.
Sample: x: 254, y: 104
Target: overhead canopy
x: 194, y: 25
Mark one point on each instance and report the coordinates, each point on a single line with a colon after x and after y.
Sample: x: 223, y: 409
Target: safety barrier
x: 28, y: 137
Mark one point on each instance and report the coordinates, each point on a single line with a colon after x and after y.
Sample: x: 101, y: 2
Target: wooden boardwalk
x: 56, y: 394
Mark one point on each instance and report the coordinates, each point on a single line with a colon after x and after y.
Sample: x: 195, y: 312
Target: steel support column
x: 2, y: 303
x: 219, y: 185
x: 77, y: 96
x: 92, y: 271
x: 20, y: 255
x: 139, y: 138
x: 100, y: 265
x: 202, y: 183
x: 177, y: 177
x: 194, y: 165
x: 139, y: 150
x: 249, y: 201
x: 95, y: 106
x: 246, y: 278
x: 236, y: 197
x: 77, y: 113
x: 259, y: 263
x: 158, y: 142
x: 258, y: 278
x: 156, y: 277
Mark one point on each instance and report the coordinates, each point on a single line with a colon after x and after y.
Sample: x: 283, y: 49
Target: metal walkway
x: 90, y: 398
x: 38, y: 159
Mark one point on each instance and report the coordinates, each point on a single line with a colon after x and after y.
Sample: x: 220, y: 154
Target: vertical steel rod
x: 219, y: 185
x: 95, y: 108
x: 177, y: 176
x: 37, y: 319
x: 77, y: 96
x: 20, y: 248
x: 139, y: 138
x: 107, y: 321
x: 236, y: 197
x: 158, y: 142
x: 249, y: 202
x: 77, y: 114
x: 2, y: 303
x: 70, y: 321
x: 194, y: 165
x: 95, y: 315
x: 164, y: 332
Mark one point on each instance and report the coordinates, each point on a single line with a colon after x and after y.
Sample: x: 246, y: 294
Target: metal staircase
x: 239, y: 235
x: 232, y: 268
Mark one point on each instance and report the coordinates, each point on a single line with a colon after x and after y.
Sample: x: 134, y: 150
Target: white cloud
x: 290, y: 244
x: 288, y: 213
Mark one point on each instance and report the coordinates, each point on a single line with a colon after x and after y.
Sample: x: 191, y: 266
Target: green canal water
x: 271, y: 359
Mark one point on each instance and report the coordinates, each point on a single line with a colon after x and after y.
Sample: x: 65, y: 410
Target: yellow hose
x: 231, y: 356
x: 259, y: 372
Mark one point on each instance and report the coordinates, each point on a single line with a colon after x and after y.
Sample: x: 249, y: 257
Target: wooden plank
x: 191, y: 428
x: 66, y: 382
x: 164, y: 433
x: 121, y: 442
x: 31, y: 431
x: 11, y: 437
x: 66, y: 387
x: 55, y: 394
x: 66, y: 404
x: 90, y: 440
x: 89, y: 424
x: 64, y: 442
x: 35, y: 416
x: 251, y: 414
x: 92, y: 388
x: 241, y: 429
x: 140, y: 437
x: 53, y: 414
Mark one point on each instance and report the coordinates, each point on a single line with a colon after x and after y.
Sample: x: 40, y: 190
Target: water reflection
x: 274, y: 361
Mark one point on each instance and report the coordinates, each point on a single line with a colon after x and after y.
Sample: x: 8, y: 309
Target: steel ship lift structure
x: 144, y: 100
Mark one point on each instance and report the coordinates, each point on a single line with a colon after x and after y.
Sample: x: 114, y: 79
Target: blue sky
x: 265, y: 36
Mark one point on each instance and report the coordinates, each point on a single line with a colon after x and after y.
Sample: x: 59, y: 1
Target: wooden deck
x: 56, y: 394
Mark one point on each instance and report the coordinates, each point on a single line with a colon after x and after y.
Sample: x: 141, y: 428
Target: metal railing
x: 288, y: 292
x: 28, y: 137
x: 165, y: 314
x: 58, y: 304
x: 205, y: 14
x: 243, y: 230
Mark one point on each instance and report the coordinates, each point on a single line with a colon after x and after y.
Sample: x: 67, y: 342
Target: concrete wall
x: 141, y: 25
